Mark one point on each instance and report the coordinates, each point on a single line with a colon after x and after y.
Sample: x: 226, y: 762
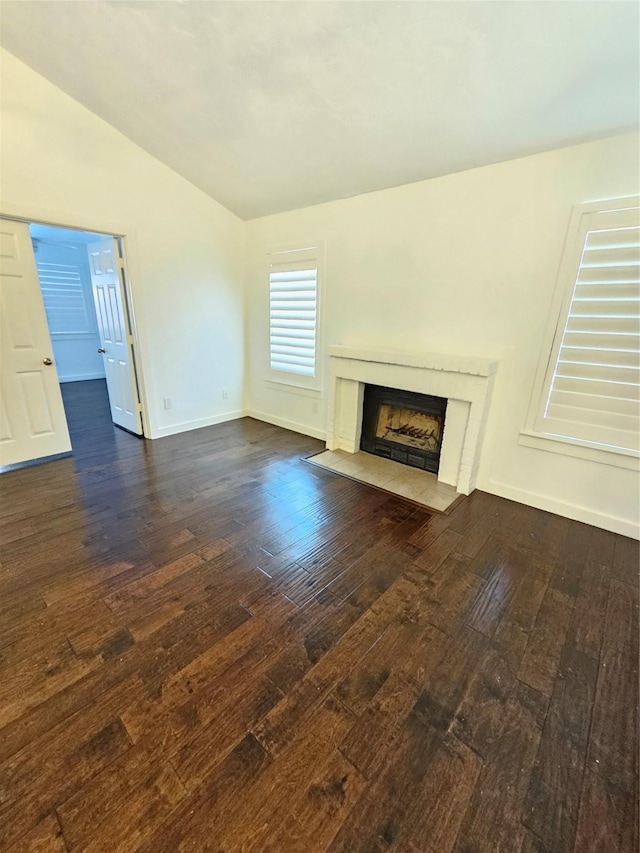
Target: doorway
x: 62, y: 263
x: 67, y: 340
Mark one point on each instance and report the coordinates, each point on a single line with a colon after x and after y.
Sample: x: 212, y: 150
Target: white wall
x: 464, y: 264
x: 75, y: 345
x: 62, y: 164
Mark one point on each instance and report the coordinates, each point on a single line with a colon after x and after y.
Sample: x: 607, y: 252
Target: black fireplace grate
x: 404, y: 426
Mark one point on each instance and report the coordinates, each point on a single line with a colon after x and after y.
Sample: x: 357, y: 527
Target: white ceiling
x: 270, y: 106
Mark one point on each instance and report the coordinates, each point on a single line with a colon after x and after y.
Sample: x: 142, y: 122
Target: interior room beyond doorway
x: 65, y: 281
x: 82, y: 281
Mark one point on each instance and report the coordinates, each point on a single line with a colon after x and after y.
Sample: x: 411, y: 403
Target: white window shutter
x: 593, y: 381
x: 63, y: 297
x: 293, y: 316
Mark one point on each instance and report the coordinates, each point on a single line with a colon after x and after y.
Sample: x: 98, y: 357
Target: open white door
x: 115, y: 334
x: 33, y: 424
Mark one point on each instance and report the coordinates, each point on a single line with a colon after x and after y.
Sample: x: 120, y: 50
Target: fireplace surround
x: 466, y: 383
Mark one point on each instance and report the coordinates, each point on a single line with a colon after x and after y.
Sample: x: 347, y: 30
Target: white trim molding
x: 291, y: 388
x: 562, y: 508
x: 569, y: 447
x: 294, y: 426
x: 466, y: 383
x: 185, y: 426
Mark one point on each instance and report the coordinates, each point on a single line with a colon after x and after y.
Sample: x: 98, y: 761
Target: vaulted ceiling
x: 269, y: 106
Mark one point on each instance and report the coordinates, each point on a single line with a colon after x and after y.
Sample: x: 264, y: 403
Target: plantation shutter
x: 63, y: 297
x: 594, y: 377
x: 293, y: 303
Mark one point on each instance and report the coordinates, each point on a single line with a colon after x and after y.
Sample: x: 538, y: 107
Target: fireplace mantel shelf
x: 422, y: 360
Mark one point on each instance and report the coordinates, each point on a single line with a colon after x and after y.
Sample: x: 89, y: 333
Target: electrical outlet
x: 168, y: 403
x: 225, y: 395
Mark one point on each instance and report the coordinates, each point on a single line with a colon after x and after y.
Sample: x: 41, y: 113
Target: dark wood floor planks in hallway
x: 208, y: 644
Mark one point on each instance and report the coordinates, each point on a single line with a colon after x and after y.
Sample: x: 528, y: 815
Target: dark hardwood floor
x: 208, y: 644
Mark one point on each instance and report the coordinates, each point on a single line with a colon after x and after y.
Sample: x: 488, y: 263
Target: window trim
x: 531, y: 435
x: 303, y: 252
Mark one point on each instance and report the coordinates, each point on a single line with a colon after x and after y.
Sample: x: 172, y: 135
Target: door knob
x: 47, y: 361
x: 101, y: 349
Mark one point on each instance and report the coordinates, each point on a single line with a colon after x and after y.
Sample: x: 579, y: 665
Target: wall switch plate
x: 168, y: 403
x: 225, y: 395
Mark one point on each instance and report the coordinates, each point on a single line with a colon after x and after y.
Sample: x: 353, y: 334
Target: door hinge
x: 139, y: 407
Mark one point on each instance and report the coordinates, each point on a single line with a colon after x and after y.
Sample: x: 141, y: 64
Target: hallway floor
x: 86, y: 405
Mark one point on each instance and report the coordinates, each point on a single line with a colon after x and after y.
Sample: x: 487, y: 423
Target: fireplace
x: 465, y: 382
x: 404, y: 426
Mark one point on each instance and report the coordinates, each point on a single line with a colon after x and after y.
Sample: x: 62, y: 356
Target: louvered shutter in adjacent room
x: 63, y: 297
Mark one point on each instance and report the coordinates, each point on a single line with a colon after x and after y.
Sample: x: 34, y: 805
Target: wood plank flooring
x: 207, y: 644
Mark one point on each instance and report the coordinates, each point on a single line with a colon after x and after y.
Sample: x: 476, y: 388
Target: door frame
x: 122, y: 239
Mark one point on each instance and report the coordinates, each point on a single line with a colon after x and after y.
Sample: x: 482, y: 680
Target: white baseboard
x: 80, y: 377
x: 186, y: 426
x: 577, y: 513
x: 503, y: 490
x: 286, y: 424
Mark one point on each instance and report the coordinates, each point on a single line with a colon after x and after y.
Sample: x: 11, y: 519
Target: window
x: 293, y: 316
x: 591, y: 389
x: 64, y: 299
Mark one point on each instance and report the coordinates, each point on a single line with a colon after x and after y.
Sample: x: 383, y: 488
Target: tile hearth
x: 421, y: 487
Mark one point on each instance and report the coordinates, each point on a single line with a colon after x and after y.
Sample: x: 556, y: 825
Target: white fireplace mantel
x: 465, y: 382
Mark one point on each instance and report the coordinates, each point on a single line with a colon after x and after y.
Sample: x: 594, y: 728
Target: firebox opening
x: 403, y: 426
